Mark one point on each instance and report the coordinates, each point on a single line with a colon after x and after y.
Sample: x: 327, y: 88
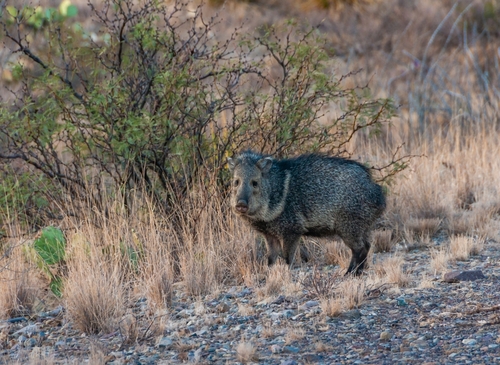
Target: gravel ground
x: 437, y: 323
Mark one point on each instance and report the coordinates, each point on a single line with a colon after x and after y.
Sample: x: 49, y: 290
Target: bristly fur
x: 309, y: 195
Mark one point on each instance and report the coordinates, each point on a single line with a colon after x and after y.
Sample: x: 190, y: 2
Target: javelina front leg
x: 290, y: 244
x: 273, y: 249
x: 358, y: 259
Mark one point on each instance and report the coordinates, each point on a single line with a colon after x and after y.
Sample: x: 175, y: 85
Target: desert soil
x: 432, y: 323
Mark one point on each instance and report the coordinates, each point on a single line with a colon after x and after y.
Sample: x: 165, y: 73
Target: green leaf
x: 71, y: 11
x: 56, y: 285
x: 51, y: 245
x: 11, y: 10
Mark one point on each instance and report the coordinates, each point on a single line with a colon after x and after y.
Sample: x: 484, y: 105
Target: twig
x: 483, y: 309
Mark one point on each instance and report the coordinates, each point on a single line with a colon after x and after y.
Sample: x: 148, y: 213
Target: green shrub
x: 155, y: 102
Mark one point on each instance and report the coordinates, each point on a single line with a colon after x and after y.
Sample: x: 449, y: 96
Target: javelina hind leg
x: 304, y: 254
x: 273, y: 249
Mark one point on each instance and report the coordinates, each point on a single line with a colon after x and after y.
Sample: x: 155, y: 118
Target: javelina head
x: 249, y: 186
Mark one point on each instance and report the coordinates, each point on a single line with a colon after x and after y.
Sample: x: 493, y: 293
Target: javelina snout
x: 241, y: 206
x: 310, y: 195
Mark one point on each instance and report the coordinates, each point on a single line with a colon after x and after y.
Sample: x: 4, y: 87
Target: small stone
x: 165, y: 343
x: 456, y: 276
x: 244, y: 293
x: 385, y: 336
x: 21, y: 339
x: 29, y: 330
x: 291, y: 349
x: 311, y: 303
x: 313, y: 359
x: 401, y: 302
x: 30, y: 343
x: 288, y: 313
x: 469, y: 342
x: 352, y: 314
x: 279, y: 300
x: 276, y: 349
x: 421, y: 344
x: 288, y: 362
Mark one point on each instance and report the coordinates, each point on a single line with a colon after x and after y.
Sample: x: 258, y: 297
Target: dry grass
x: 268, y: 331
x: 337, y: 253
x: 19, y: 286
x: 129, y: 328
x: 462, y: 247
x: 279, y: 278
x: 383, y: 240
x: 392, y: 271
x: 439, y: 261
x: 159, y: 290
x: 246, y: 352
x: 322, y: 347
x: 294, y: 334
x: 426, y: 227
x: 425, y: 282
x: 331, y: 306
x: 351, y: 292
x: 95, y: 295
x: 245, y: 310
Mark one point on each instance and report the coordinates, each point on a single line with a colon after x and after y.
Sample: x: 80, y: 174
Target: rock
x: 276, y: 349
x: 352, y: 314
x: 165, y: 343
x: 401, y: 302
x: 288, y: 362
x: 313, y: 359
x: 288, y: 313
x: 244, y: 293
x: 291, y: 349
x: 421, y: 344
x: 30, y: 343
x: 469, y: 342
x: 309, y: 304
x: 29, y: 330
x: 385, y: 336
x: 456, y: 276
x: 280, y: 299
x: 16, y: 320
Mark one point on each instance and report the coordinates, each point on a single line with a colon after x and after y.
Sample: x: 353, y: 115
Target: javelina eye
x: 255, y: 184
x: 236, y: 182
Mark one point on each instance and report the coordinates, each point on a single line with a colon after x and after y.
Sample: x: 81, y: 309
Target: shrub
x: 153, y: 100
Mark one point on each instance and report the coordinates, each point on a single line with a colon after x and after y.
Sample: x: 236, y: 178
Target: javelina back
x: 310, y: 195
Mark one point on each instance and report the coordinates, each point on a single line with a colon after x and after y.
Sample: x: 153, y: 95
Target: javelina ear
x: 230, y: 163
x: 264, y: 164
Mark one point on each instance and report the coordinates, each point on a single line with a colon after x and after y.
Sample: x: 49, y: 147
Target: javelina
x: 310, y: 195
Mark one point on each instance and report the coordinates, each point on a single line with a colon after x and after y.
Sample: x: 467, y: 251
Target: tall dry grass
x: 20, y: 286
